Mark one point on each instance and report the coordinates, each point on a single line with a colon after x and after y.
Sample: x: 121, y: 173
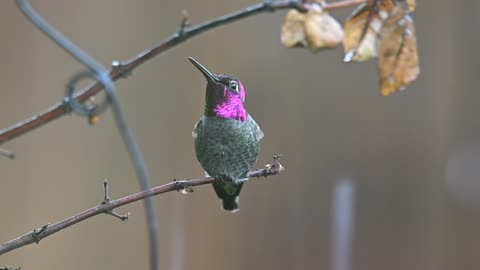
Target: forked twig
x: 47, y: 230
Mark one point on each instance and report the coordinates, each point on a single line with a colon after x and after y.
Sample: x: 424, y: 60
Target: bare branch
x: 121, y: 69
x: 38, y: 234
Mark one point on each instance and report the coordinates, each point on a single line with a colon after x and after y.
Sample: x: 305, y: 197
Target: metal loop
x: 81, y: 108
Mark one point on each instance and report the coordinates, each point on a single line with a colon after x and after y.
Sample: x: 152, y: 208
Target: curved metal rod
x: 102, y: 74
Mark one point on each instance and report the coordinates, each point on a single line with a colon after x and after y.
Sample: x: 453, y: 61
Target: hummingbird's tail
x: 228, y: 192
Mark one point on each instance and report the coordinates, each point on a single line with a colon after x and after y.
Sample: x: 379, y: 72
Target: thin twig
x: 7, y: 154
x: 44, y: 231
x: 106, y: 200
x: 103, y: 77
x: 342, y: 4
x: 121, y: 69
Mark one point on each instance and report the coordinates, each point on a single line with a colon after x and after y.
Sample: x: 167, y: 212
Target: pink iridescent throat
x: 231, y: 107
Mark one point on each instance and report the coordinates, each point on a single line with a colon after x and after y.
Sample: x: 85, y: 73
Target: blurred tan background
x: 414, y: 156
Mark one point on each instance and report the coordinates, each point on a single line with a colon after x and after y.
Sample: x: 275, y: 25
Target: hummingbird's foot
x: 220, y: 180
x: 183, y: 186
x: 106, y: 201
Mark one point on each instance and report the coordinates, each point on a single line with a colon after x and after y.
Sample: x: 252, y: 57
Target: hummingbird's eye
x: 233, y: 85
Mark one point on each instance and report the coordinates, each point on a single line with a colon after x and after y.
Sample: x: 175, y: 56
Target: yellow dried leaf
x: 93, y: 119
x: 361, y: 29
x: 397, y: 52
x: 293, y: 33
x: 322, y: 30
x: 411, y: 4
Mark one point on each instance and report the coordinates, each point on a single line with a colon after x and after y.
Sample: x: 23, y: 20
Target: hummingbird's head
x: 224, y: 96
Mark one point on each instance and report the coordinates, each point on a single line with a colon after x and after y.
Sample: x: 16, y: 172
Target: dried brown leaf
x: 293, y: 33
x: 397, y: 52
x: 322, y: 30
x: 360, y: 37
x: 390, y: 4
x: 387, y: 4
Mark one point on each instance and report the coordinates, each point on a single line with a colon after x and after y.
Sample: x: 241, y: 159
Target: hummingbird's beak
x: 209, y: 75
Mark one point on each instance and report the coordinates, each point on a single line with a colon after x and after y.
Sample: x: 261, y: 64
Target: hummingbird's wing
x: 257, y: 132
x: 196, y: 128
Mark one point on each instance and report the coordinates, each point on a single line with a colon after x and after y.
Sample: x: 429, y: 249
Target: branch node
x: 184, y: 24
x: 183, y: 187
x: 121, y: 217
x: 276, y: 167
x: 106, y: 202
x: 74, y: 105
x: 270, y: 169
x: 66, y: 103
x: 37, y: 233
x: 268, y: 5
x: 121, y: 68
x: 7, y: 154
x: 299, y: 5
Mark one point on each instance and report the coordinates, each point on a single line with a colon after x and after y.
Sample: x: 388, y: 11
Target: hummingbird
x: 226, y: 138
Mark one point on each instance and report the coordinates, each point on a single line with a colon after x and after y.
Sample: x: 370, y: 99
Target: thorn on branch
x: 121, y: 217
x: 106, y: 199
x: 7, y: 154
x: 106, y: 202
x: 37, y: 233
x: 183, y: 187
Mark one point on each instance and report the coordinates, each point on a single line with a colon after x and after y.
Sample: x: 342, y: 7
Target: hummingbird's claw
x: 220, y: 180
